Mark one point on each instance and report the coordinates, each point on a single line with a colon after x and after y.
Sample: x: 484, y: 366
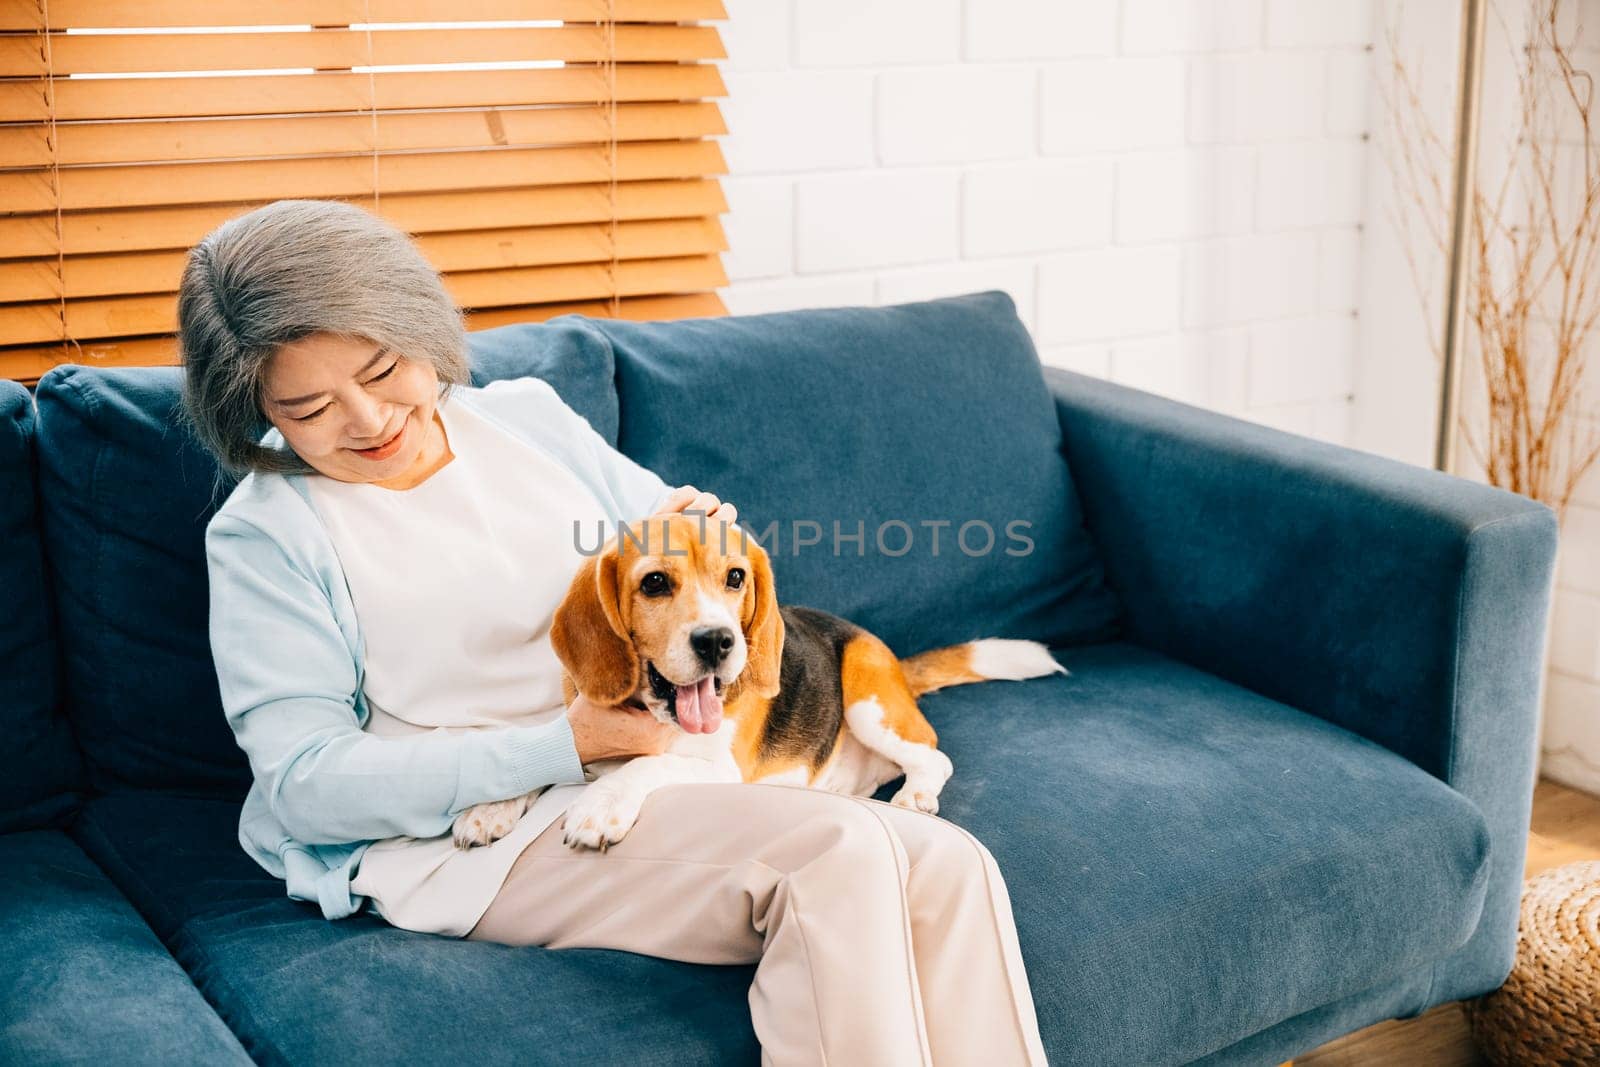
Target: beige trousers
x: 884, y: 936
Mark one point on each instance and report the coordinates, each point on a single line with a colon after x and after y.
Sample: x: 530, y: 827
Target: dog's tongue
x: 699, y: 707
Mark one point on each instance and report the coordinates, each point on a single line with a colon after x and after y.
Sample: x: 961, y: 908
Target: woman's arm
x: 288, y: 683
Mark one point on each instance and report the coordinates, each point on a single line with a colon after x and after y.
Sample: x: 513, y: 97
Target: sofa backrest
x: 925, y: 430
x: 41, y: 774
x: 125, y: 497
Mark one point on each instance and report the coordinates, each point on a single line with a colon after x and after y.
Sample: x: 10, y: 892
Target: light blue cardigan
x: 288, y: 652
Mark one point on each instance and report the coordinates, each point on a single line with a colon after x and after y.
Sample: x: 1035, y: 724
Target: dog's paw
x: 484, y: 824
x: 917, y: 799
x: 601, y: 816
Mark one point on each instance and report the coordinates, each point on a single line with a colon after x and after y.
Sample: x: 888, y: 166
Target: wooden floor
x: 1566, y: 828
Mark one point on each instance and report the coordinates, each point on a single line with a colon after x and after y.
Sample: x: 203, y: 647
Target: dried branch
x: 1532, y: 296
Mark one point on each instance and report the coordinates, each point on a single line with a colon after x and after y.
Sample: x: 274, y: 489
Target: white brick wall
x: 1396, y: 377
x: 1036, y: 207
x: 1190, y: 25
x: 1183, y: 193
x: 964, y: 114
x: 1571, y: 741
x: 1572, y: 710
x: 1049, y: 30
x: 1100, y: 105
x: 1171, y: 190
x: 848, y: 33
x: 878, y: 218
x: 1256, y: 97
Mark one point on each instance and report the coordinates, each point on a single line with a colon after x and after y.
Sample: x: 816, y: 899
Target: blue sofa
x: 1283, y: 793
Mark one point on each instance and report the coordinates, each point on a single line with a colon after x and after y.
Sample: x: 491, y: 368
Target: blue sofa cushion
x: 41, y: 772
x: 126, y: 496
x: 299, y: 989
x: 879, y: 420
x: 84, y: 978
x: 574, y: 359
x: 1188, y: 863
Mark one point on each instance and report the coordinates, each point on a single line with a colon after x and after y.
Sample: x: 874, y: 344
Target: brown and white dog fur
x: 806, y: 697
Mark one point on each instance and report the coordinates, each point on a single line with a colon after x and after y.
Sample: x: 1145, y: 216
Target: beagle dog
x: 684, y: 622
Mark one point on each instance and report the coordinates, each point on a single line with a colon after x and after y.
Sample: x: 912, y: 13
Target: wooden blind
x: 571, y: 171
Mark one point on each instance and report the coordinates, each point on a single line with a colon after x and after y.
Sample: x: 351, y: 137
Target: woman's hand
x: 688, y: 498
x: 603, y: 731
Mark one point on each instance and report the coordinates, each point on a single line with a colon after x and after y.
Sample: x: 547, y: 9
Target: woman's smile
x: 388, y: 448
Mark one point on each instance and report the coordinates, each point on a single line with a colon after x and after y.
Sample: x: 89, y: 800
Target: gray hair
x: 284, y: 271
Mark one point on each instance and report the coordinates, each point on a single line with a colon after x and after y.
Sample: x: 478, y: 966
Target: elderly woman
x: 383, y: 579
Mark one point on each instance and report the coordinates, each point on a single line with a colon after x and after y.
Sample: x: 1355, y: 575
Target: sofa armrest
x: 1401, y: 603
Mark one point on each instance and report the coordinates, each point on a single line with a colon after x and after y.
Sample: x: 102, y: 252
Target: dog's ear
x: 589, y: 636
x: 763, y: 629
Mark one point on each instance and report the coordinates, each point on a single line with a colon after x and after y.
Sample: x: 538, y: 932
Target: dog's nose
x: 711, y: 643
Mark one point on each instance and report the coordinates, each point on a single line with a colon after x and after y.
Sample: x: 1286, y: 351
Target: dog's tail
x: 978, y: 661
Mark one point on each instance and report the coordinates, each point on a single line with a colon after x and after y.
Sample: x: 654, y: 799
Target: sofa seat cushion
x: 902, y: 465
x: 82, y: 977
x: 1188, y: 863
x: 299, y: 989
x: 41, y: 773
x: 126, y: 495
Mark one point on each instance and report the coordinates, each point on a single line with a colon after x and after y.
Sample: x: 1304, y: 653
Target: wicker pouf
x: 1548, y: 1011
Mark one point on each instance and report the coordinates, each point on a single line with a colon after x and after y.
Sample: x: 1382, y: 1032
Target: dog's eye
x: 735, y: 578
x: 655, y: 584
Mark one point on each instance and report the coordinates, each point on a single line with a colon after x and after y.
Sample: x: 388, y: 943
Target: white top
x: 455, y: 582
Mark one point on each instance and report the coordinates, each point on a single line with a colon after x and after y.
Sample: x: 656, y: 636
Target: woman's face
x: 351, y: 409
